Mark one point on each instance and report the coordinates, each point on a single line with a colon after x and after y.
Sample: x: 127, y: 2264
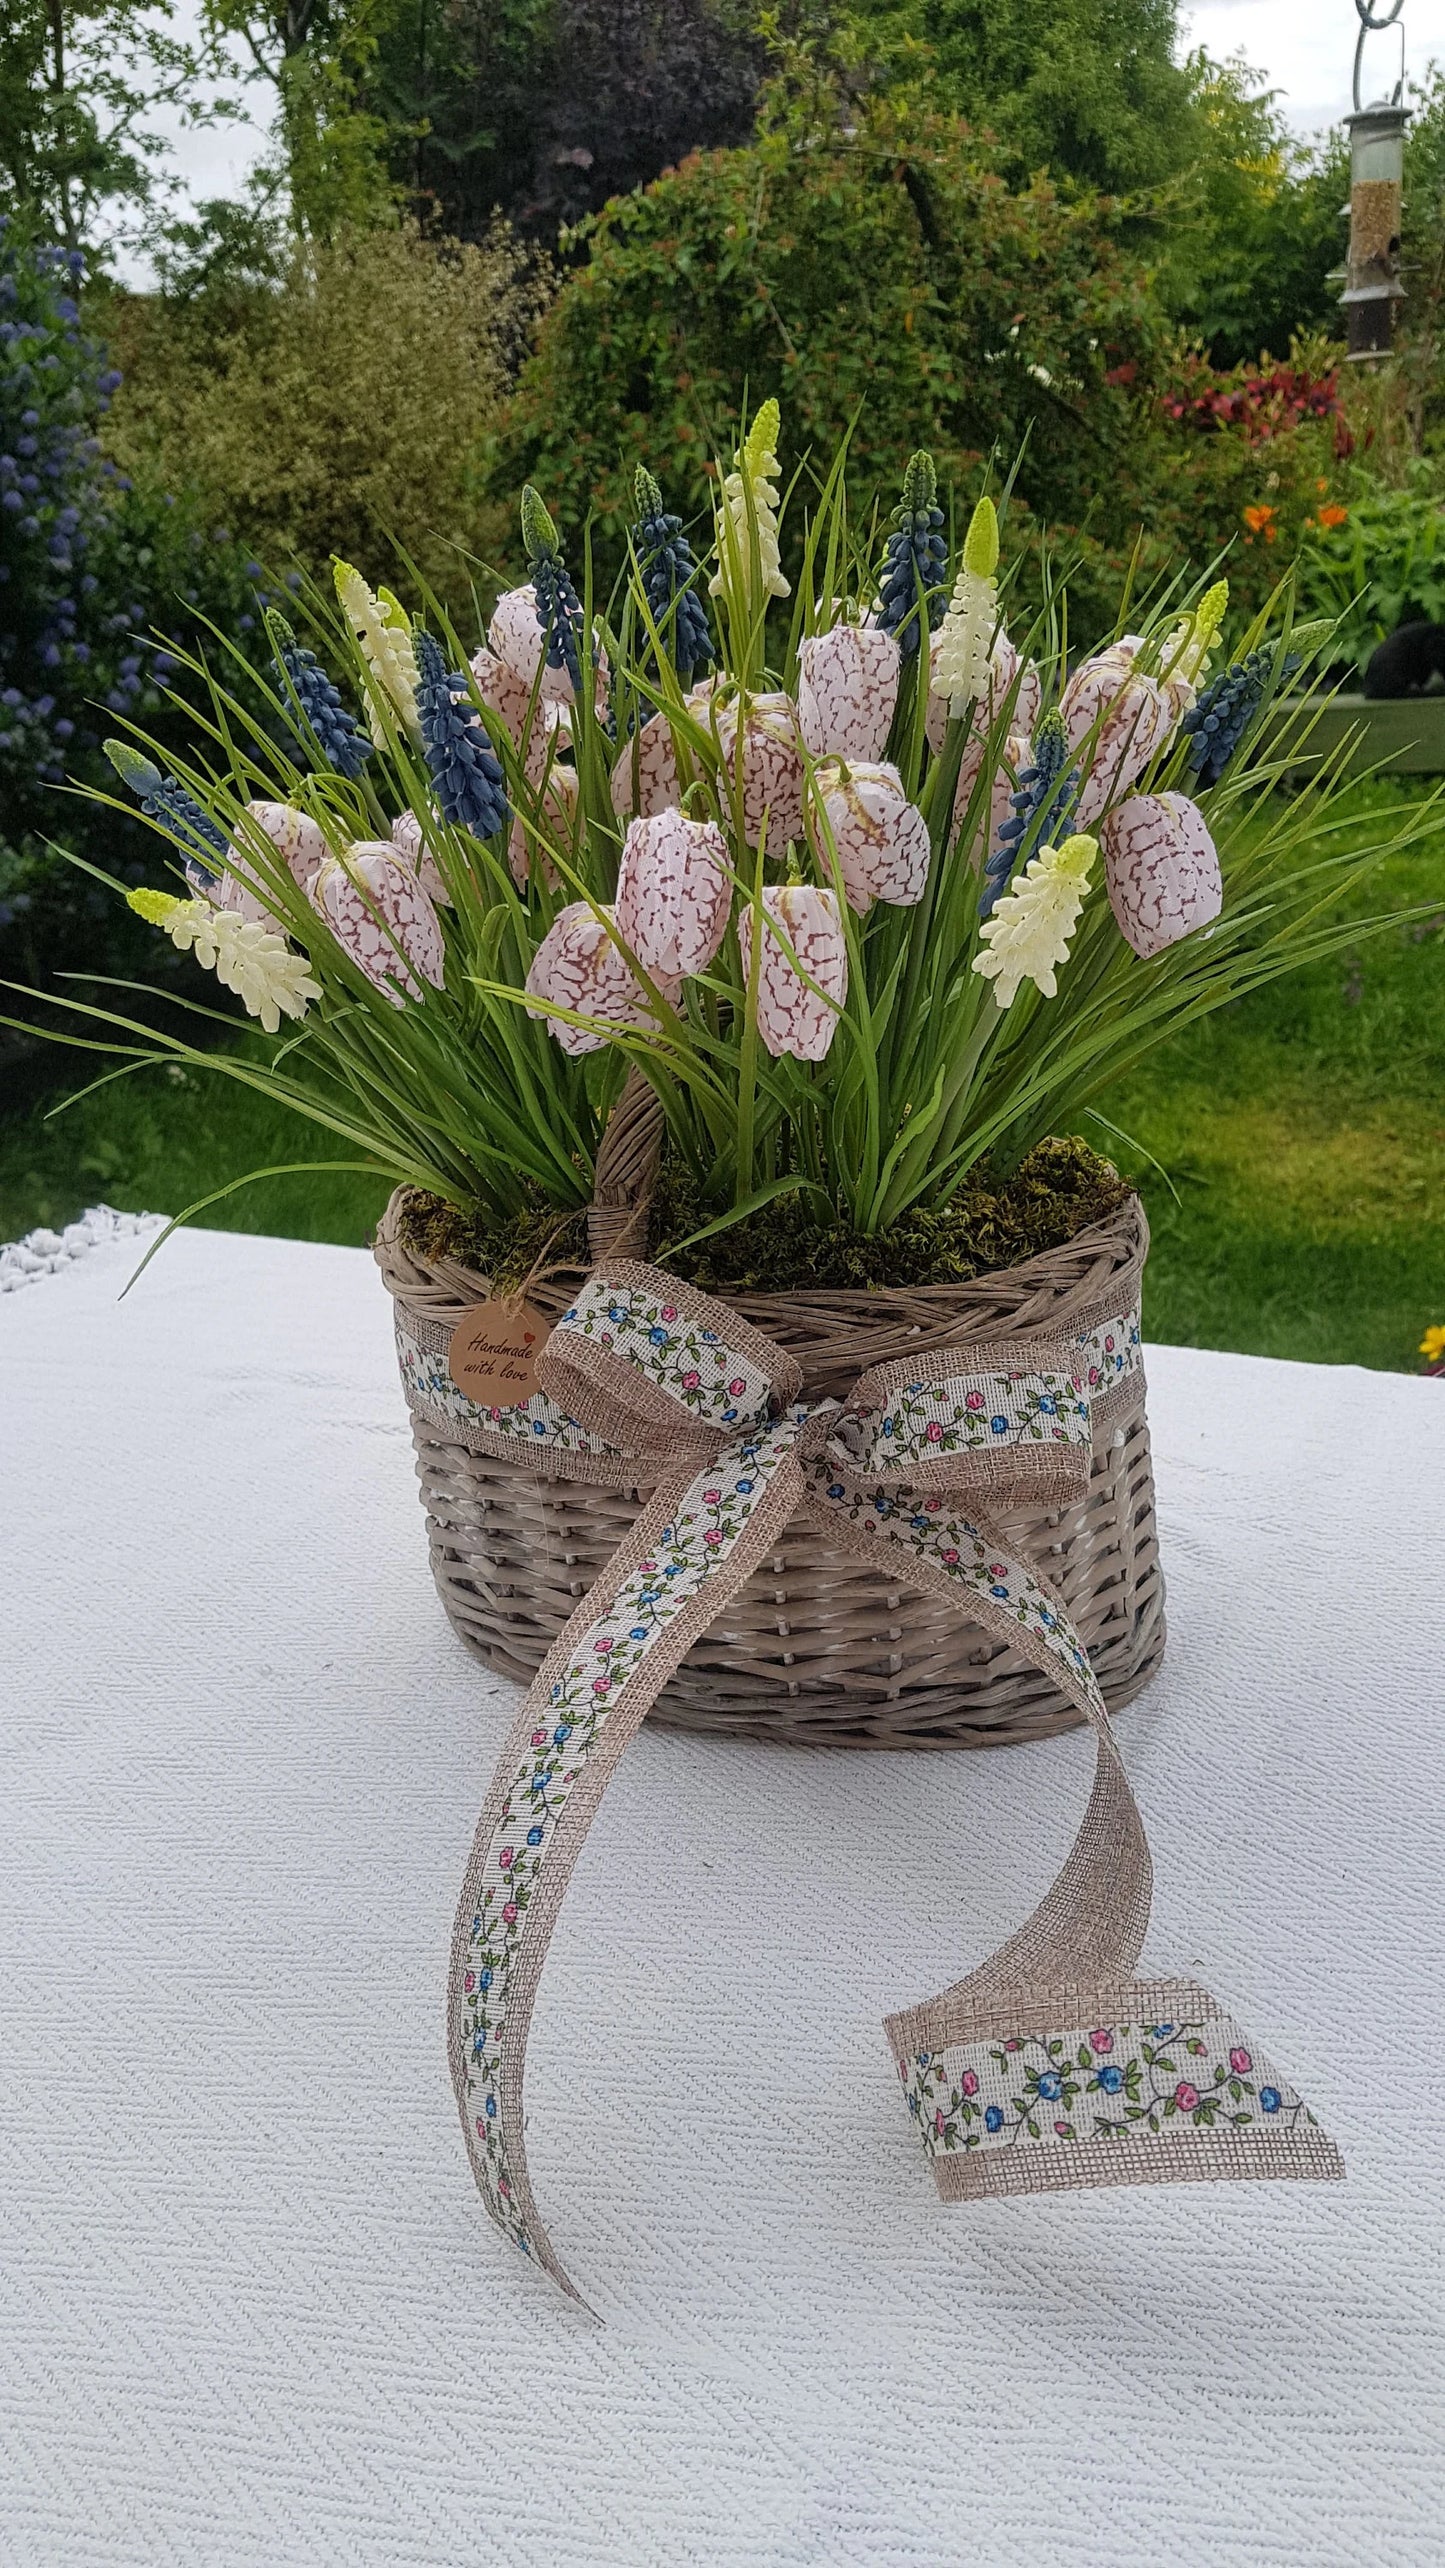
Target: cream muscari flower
x: 383, y: 629
x: 1186, y: 653
x: 961, y: 655
x: 265, y: 973
x: 747, y: 522
x: 1028, y: 932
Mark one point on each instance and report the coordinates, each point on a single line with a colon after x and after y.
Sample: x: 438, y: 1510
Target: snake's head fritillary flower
x: 772, y: 766
x: 847, y: 689
x: 1162, y: 870
x: 881, y: 838
x: 374, y: 905
x: 645, y: 777
x: 561, y: 792
x: 674, y: 893
x: 409, y: 840
x: 579, y: 966
x: 502, y: 691
x: 514, y: 637
x: 1129, y: 715
x: 799, y: 1002
x: 298, y: 840
x: 992, y: 816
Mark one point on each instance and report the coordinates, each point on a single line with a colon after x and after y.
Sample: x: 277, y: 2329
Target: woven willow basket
x: 815, y: 1648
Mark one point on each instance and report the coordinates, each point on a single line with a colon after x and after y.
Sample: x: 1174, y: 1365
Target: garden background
x: 549, y: 239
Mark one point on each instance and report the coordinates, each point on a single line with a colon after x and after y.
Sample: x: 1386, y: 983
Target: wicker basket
x: 814, y: 1648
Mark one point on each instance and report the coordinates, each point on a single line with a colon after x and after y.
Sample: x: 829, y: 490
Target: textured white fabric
x: 251, y: 2312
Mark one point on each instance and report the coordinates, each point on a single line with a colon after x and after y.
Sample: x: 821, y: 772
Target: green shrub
x: 1382, y: 562
x: 341, y: 405
x: 887, y: 270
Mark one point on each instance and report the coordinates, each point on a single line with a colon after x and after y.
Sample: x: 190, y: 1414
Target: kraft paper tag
x: 493, y: 1354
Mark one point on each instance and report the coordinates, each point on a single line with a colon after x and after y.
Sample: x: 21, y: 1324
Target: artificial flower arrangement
x: 870, y: 888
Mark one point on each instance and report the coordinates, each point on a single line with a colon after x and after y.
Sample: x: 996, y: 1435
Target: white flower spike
x: 961, y: 669
x: 383, y: 630
x: 1028, y: 933
x: 747, y: 522
x: 266, y: 973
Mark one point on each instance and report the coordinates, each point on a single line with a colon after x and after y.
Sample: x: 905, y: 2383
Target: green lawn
x: 1302, y: 1132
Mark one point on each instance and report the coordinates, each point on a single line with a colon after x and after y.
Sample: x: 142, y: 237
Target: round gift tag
x: 493, y: 1354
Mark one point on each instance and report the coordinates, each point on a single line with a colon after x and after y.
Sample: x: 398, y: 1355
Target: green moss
x: 1059, y: 1189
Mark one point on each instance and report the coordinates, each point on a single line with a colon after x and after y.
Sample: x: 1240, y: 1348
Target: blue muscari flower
x: 342, y: 744
x: 915, y: 558
x: 670, y: 580
x: 165, y: 800
x: 465, y: 772
x: 1216, y: 725
x: 559, y: 608
x: 1038, y: 809
x: 993, y: 2118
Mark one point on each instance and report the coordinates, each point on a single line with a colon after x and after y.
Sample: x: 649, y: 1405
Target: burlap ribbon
x: 1050, y: 2065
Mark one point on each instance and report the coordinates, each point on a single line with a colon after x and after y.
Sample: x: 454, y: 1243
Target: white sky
x: 1305, y: 49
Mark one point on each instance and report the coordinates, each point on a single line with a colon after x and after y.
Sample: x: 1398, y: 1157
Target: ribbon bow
x: 1050, y: 2065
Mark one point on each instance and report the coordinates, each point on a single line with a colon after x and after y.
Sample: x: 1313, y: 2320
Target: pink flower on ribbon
x: 933, y: 1505
x: 1127, y: 715
x: 381, y: 916
x: 673, y: 893
x: 1013, y: 2044
x: 772, y: 768
x: 847, y: 689
x: 1064, y: 2130
x: 736, y: 1389
x: 712, y: 1497
x: 690, y: 1381
x: 471, y: 1979
x: 797, y: 1016
x: 951, y: 1556
x: 996, y: 1569
x: 1102, y: 2039
x: 1241, y: 2062
x: 973, y: 1400
x: 481, y: 2127
x: 880, y: 838
x: 601, y: 1684
x: 578, y: 966
x: 934, y: 1432
x: 669, y: 1311
x: 1186, y: 2096
x: 1162, y: 870
x: 505, y: 1857
x: 509, y: 1913
x: 602, y: 1646
x: 713, y: 1534
x: 539, y: 1738
x: 968, y: 2083
x: 937, y: 2120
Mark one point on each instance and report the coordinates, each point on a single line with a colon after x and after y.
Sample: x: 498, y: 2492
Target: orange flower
x: 1257, y: 519
x: 1334, y: 515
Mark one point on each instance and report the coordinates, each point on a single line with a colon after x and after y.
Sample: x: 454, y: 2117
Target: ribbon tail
x: 702, y: 1533
x: 1051, y: 2066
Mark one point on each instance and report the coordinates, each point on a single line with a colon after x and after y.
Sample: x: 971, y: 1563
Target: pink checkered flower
x: 1162, y: 870
x: 792, y: 1015
x: 1135, y: 716
x: 847, y: 689
x: 772, y: 766
x: 579, y: 966
x: 379, y: 912
x: 880, y: 837
x: 674, y: 893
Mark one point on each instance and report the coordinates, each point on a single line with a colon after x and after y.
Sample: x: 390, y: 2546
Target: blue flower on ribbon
x: 562, y: 1733
x: 835, y: 1489
x: 657, y: 1337
x: 479, y: 2046
x: 1161, y: 2032
x: 491, y: 2108
x: 616, y: 1314
x: 1111, y: 2079
x: 745, y: 1488
x: 709, y: 1337
x: 1050, y: 2084
x: 1269, y: 2099
x: 1001, y: 1592
x: 638, y: 1632
x: 993, y: 2118
x: 1049, y: 1408
x: 534, y: 1836
x: 999, y: 1426
x: 484, y: 1979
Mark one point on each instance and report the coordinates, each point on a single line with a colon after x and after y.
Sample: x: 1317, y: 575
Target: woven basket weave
x: 815, y: 1648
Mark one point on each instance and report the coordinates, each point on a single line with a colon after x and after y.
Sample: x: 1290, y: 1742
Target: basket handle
x: 626, y: 1172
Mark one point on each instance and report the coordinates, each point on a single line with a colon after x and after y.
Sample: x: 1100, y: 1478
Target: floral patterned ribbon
x: 1048, y: 2066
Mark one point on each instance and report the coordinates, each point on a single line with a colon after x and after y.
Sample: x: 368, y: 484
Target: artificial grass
x: 1302, y: 1131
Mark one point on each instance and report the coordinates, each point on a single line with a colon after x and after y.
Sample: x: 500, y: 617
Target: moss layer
x: 1059, y: 1189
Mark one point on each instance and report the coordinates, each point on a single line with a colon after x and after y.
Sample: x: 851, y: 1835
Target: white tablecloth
x: 252, y: 2313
